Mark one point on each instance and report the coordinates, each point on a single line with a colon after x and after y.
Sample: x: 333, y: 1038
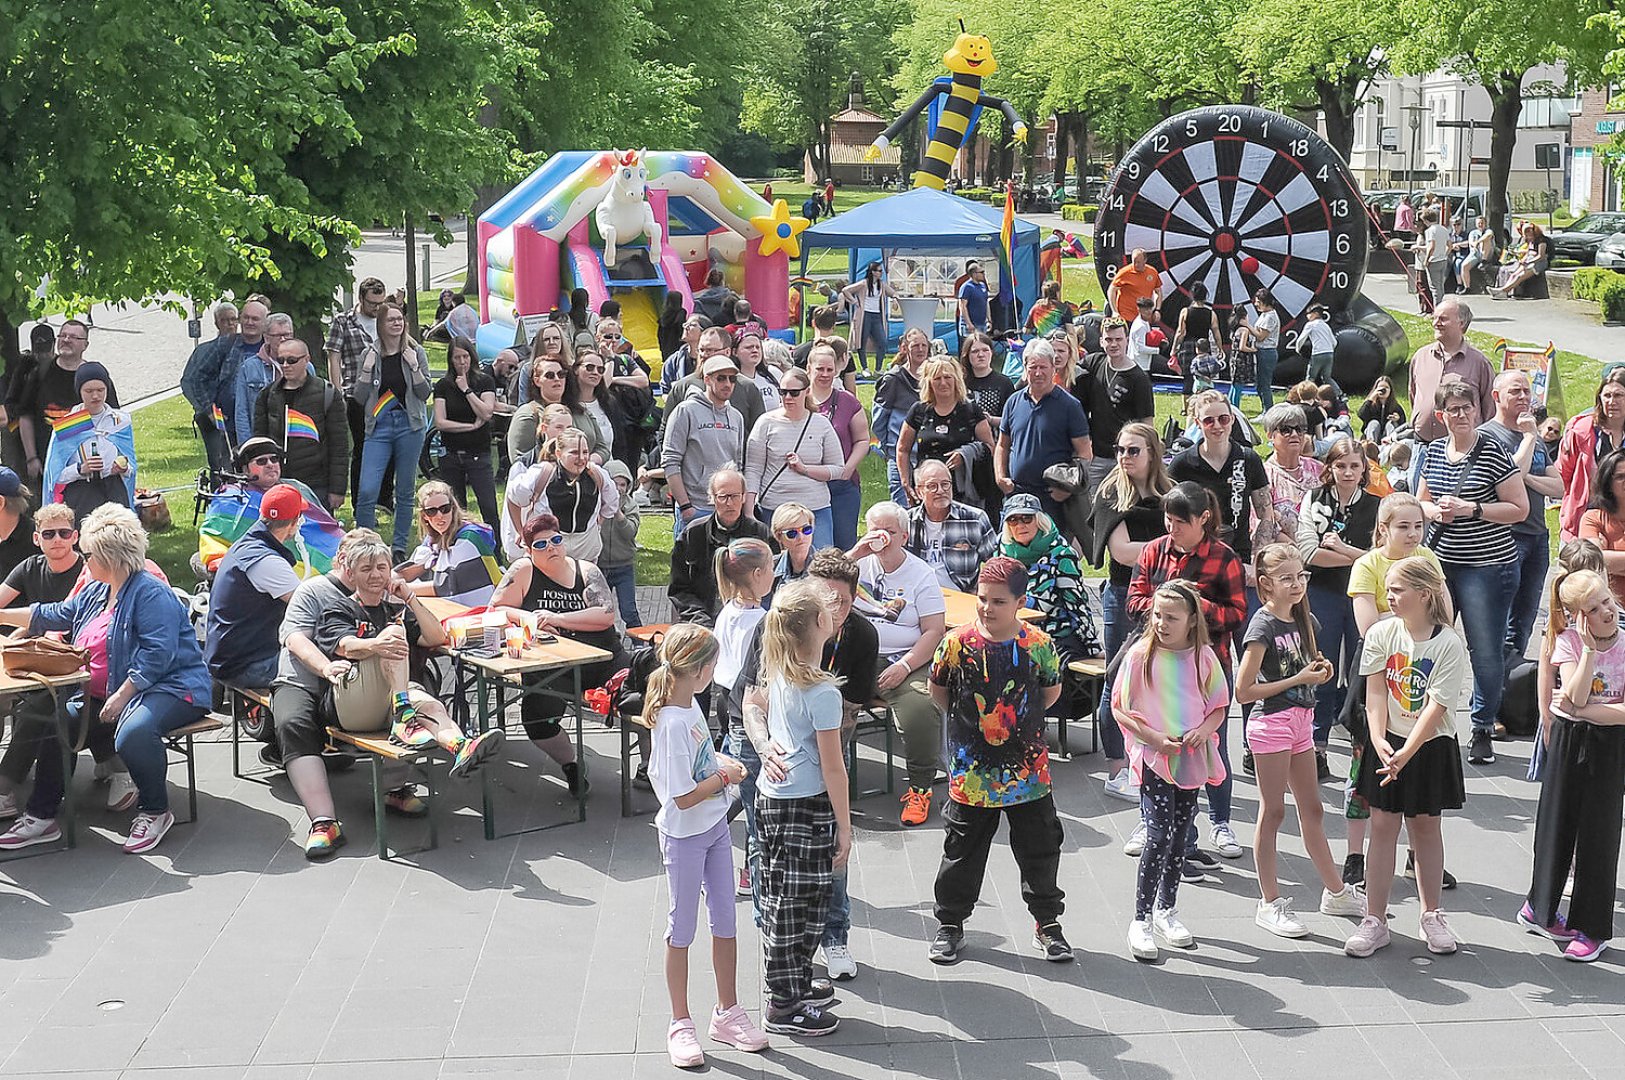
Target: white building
x: 1418, y: 149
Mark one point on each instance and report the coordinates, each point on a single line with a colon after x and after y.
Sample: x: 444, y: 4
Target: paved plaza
x: 225, y: 955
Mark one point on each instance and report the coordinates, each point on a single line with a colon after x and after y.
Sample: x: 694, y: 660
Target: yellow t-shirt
x: 1369, y: 574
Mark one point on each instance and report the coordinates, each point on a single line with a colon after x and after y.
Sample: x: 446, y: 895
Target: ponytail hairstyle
x: 1266, y: 564
x: 1186, y: 593
x: 791, y: 621
x: 1188, y: 501
x: 735, y: 562
x: 685, y: 650
x: 1570, y: 589
x: 1391, y: 505
x: 1425, y: 577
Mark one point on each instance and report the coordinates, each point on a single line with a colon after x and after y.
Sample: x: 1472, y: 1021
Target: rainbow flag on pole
x: 74, y: 423
x: 219, y: 419
x: 1007, y: 236
x: 385, y: 400
x: 296, y: 425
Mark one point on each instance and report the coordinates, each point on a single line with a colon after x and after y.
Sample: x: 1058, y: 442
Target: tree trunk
x: 1506, y: 101
x: 1337, y: 104
x: 412, y: 285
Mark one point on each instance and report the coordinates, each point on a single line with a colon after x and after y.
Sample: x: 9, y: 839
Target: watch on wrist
x: 1478, y: 511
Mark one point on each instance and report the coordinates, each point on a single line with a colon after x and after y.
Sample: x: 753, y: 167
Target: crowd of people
x: 1317, y: 586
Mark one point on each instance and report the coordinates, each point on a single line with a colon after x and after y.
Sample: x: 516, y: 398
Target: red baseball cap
x: 282, y: 503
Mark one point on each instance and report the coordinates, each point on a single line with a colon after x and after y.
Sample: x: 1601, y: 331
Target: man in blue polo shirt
x: 1042, y: 425
x: 973, y: 300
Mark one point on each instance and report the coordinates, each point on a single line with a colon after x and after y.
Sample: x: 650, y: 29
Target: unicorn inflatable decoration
x: 625, y: 213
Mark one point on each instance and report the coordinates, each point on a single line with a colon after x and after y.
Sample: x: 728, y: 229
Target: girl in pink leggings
x: 1280, y: 667
x: 692, y: 781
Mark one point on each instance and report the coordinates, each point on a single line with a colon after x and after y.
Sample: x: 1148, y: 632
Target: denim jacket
x: 369, y: 384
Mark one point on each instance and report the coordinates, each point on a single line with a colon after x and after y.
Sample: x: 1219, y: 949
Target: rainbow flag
x: 385, y: 400
x: 234, y: 511
x: 76, y: 422
x: 1007, y: 236
x: 219, y: 419
x: 296, y: 425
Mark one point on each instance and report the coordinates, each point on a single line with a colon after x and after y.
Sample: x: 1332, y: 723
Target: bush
x: 1612, y: 298
x: 1075, y: 212
x: 1590, y: 281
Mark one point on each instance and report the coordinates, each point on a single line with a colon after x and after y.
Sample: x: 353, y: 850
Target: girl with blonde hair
x: 457, y: 557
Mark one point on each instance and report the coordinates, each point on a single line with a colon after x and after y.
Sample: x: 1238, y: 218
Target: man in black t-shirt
x: 16, y: 525
x: 51, y: 393
x: 853, y: 654
x: 1115, y: 392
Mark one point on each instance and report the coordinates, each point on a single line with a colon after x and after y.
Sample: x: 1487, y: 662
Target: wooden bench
x: 179, y: 743
x: 243, y: 703
x: 379, y: 751
x: 1090, y: 674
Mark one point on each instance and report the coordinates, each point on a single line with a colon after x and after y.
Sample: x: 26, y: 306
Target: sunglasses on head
x: 443, y: 510
x: 56, y: 534
x: 542, y: 543
x: 791, y: 534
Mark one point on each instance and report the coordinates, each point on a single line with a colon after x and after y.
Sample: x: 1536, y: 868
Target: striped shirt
x: 1467, y: 542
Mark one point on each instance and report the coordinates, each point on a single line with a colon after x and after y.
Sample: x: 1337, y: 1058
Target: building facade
x: 1595, y: 182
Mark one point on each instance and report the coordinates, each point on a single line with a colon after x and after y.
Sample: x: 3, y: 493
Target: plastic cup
x: 516, y: 641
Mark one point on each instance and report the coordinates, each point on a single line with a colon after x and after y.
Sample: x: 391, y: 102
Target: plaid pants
x: 796, y: 841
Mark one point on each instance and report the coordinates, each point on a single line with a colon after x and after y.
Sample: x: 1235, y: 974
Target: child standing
x: 744, y: 570
x: 1414, y: 665
x: 803, y: 821
x: 1170, y: 698
x: 692, y: 781
x: 1583, y: 788
x: 621, y: 546
x: 1281, y: 667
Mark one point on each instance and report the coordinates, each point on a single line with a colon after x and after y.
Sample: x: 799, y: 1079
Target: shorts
x: 302, y: 717
x: 1290, y: 729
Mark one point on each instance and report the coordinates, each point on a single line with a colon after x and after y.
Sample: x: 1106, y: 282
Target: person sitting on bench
x: 346, y: 662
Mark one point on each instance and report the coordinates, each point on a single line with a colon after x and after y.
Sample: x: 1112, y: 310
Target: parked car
x: 1382, y: 203
x: 1581, y: 240
x: 1611, y: 252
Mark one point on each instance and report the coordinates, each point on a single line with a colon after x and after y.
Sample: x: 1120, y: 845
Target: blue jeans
x: 1483, y: 599
x: 1320, y: 370
x: 393, y: 442
x: 894, y: 481
x: 745, y: 752
x: 838, y: 924
x: 139, y: 742
x: 1534, y: 557
x: 623, y: 580
x: 1116, y: 623
x: 1267, y: 359
x: 845, y: 504
x: 1337, y: 636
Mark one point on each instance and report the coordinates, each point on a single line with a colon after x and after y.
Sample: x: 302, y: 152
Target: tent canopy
x: 922, y: 219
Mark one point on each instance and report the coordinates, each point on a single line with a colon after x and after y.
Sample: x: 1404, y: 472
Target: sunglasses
x: 593, y: 367
x: 1020, y: 519
x: 1217, y: 421
x: 1289, y: 429
x: 609, y: 337
x: 791, y: 391
x: 266, y: 459
x: 295, y: 362
x: 57, y: 534
x: 542, y: 543
x: 443, y: 510
x: 1130, y: 451
x: 552, y: 374
x: 725, y: 378
x: 791, y: 534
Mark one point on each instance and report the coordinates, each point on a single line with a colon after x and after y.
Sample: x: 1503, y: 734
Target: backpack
x: 628, y: 686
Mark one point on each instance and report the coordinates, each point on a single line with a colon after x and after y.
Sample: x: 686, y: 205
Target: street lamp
x: 1415, y: 112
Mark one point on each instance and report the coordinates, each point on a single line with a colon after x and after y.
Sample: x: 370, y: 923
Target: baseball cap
x: 254, y: 448
x: 1022, y: 503
x: 282, y: 503
x: 719, y: 364
x: 11, y: 485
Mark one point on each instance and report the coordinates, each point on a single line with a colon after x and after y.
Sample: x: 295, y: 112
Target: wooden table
x: 961, y: 609
x: 17, y: 685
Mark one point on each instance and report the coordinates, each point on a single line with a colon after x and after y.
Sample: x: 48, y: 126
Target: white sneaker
x: 8, y: 805
x: 1350, y: 902
x: 1135, y: 844
x: 1276, y: 917
x: 146, y: 830
x: 839, y: 963
x: 1141, y: 944
x: 28, y: 831
x: 1225, y: 840
x: 1168, y: 927
x: 1122, y: 786
x: 121, y: 792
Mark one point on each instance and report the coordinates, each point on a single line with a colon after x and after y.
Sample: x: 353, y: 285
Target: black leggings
x: 1578, y: 825
x: 1168, y: 813
x: 540, y: 711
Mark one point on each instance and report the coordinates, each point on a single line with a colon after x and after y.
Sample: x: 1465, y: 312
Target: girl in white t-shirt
x: 1583, y: 782
x: 1415, y: 665
x: 692, y: 780
x: 744, y: 570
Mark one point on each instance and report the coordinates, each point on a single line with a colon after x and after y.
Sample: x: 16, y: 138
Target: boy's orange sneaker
x: 916, y: 805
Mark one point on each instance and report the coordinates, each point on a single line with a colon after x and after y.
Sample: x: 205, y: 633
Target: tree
x: 1496, y: 46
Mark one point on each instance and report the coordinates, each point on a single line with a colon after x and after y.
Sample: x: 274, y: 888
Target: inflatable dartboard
x: 1240, y: 198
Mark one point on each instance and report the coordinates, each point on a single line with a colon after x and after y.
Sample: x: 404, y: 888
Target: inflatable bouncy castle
x: 632, y: 225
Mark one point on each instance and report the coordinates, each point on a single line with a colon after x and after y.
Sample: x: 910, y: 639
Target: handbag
x: 43, y: 656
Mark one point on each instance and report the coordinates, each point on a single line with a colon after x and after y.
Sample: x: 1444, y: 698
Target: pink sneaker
x: 1437, y: 933
x: 1559, y: 930
x: 735, y: 1028
x: 1368, y: 937
x: 1584, y: 949
x: 683, y: 1045
x: 146, y: 830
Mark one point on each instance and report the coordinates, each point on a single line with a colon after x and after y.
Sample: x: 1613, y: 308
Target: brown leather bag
x: 42, y: 656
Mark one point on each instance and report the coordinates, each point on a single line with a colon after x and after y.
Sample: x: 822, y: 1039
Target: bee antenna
x: 962, y: 29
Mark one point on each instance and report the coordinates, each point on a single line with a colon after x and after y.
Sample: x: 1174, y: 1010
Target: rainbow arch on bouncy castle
x: 539, y: 242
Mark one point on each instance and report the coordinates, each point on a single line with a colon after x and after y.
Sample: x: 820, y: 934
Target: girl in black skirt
x: 1578, y: 822
x: 1415, y: 666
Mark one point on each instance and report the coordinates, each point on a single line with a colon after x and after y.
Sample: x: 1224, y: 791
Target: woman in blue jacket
x: 156, y: 681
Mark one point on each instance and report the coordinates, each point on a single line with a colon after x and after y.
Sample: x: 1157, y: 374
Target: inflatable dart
x: 1241, y: 198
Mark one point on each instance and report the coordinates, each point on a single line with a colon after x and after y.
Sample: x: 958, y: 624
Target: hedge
x: 1590, y: 281
x: 1611, y: 295
x: 1085, y: 213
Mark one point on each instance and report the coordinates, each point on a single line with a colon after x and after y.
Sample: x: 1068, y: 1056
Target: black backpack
x: 629, y: 685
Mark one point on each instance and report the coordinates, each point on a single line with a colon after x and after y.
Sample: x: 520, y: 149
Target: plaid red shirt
x: 1215, y: 571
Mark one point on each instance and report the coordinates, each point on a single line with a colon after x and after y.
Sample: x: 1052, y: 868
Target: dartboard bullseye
x: 1238, y: 198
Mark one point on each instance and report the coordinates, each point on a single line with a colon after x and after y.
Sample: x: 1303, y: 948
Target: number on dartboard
x: 1340, y: 208
x: 1109, y: 238
x: 1133, y: 170
x: 1264, y: 130
x: 1340, y: 279
x: 1190, y: 128
x: 1342, y: 244
x: 1230, y: 124
x: 1159, y: 144
x: 1111, y: 271
x: 1322, y: 173
x: 1115, y: 202
x: 1298, y: 148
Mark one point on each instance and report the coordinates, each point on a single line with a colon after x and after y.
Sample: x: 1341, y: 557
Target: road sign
x: 1389, y: 139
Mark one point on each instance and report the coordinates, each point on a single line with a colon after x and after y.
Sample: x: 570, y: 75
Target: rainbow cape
x: 70, y: 433
x: 233, y: 511
x: 1045, y: 317
x: 385, y: 400
x: 296, y: 425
